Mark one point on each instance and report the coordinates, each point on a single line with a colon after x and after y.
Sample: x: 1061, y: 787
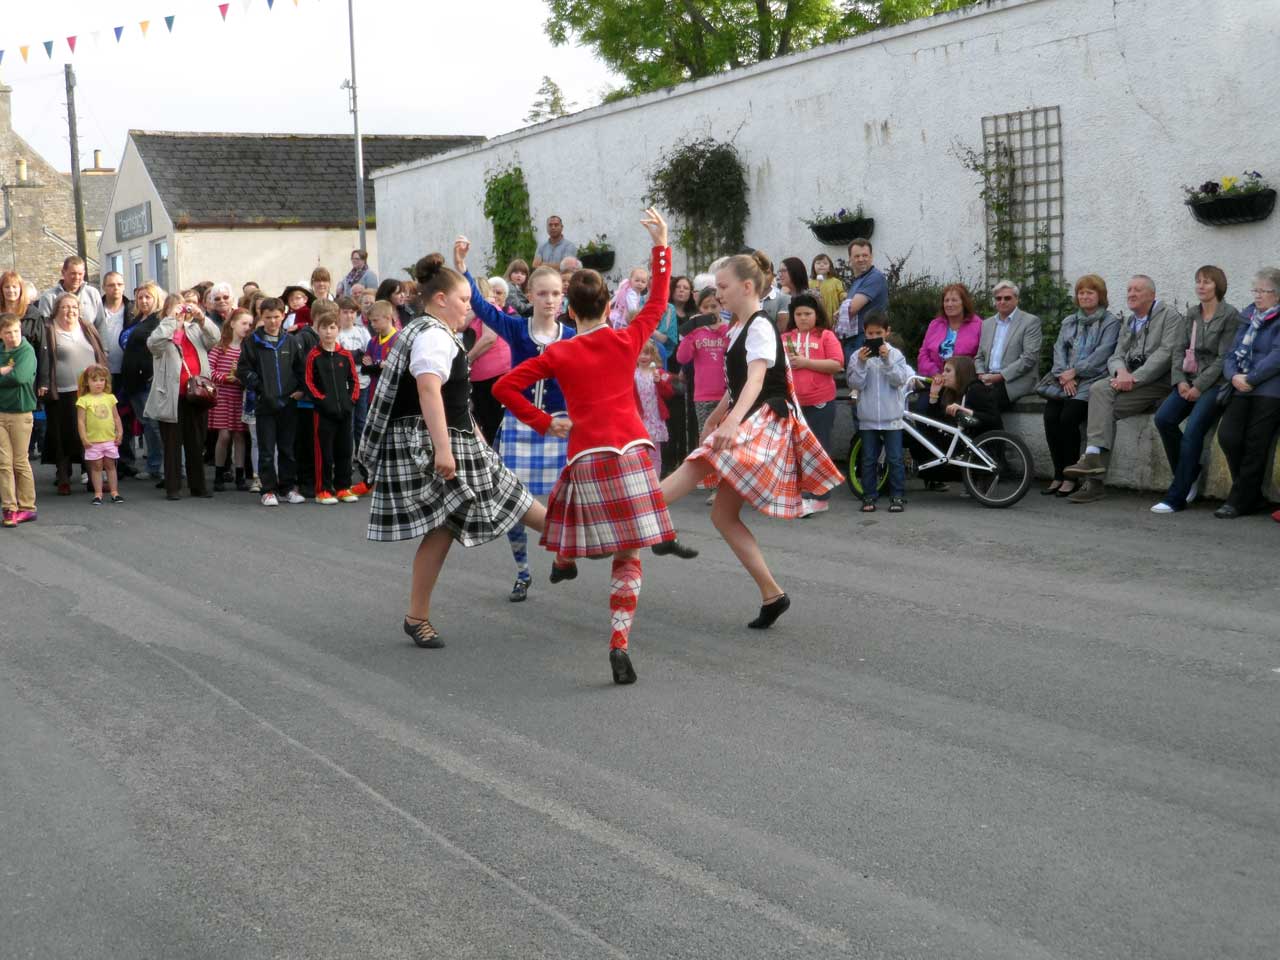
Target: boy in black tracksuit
x: 269, y: 367
x: 306, y: 340
x: 332, y: 382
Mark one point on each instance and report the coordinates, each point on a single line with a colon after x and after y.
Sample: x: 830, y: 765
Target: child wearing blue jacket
x: 882, y: 377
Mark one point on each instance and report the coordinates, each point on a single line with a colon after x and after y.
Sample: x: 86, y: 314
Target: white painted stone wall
x: 1154, y: 94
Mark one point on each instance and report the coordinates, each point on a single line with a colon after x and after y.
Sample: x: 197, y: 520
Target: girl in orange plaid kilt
x: 756, y: 447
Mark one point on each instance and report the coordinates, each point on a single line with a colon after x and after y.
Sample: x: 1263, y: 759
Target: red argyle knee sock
x: 624, y: 592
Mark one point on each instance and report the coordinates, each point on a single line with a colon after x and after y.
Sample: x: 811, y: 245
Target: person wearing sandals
x: 1197, y: 384
x: 881, y: 375
x: 607, y: 502
x: 1085, y: 343
x: 433, y: 476
x: 760, y: 450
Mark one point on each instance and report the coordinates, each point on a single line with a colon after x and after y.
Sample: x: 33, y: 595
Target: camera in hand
x: 1133, y: 363
x: 874, y: 344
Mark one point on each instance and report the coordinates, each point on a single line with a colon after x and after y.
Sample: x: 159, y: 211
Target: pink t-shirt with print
x: 705, y: 348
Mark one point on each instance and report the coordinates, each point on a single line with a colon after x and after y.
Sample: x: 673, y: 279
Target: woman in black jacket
x: 135, y: 372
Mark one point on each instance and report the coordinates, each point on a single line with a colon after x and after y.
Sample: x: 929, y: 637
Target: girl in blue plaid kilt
x: 536, y: 459
x: 756, y: 447
x: 433, y: 475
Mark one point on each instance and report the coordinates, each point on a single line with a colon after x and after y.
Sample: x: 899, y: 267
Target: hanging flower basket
x: 841, y: 233
x: 602, y: 261
x: 1239, y: 208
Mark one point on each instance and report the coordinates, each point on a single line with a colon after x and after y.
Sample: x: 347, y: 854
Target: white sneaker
x: 270, y: 500
x: 806, y: 508
x: 1194, y: 492
x: 143, y: 475
x: 295, y: 497
x: 1162, y: 508
x: 255, y: 486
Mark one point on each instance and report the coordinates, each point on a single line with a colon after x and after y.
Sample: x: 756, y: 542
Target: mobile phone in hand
x: 874, y: 344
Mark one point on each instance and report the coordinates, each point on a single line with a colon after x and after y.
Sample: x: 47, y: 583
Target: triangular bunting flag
x: 168, y: 22
x: 119, y: 30
x: 97, y: 37
x: 270, y: 3
x: 48, y: 48
x: 71, y: 42
x: 222, y: 9
x: 23, y: 51
x: 144, y: 24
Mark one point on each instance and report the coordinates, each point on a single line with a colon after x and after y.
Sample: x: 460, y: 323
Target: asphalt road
x: 1050, y: 732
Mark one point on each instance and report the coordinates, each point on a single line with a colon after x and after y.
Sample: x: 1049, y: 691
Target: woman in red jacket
x: 607, y: 501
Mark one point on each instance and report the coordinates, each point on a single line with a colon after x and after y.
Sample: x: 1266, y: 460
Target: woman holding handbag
x: 182, y: 392
x: 1085, y: 342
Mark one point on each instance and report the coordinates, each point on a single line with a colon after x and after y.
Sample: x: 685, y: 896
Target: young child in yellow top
x: 100, y: 430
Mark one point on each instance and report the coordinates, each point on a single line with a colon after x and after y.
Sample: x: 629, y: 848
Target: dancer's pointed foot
x: 519, y: 592
x: 770, y: 612
x: 620, y: 661
x: 423, y: 633
x: 674, y: 547
x: 567, y: 571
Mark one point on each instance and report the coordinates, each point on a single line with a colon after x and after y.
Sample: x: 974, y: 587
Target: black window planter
x: 598, y: 261
x: 840, y: 234
x: 1245, y: 208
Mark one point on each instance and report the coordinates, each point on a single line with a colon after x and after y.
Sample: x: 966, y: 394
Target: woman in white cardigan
x: 180, y: 348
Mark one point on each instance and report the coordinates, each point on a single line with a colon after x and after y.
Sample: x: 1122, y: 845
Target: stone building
x: 38, y: 224
x: 245, y: 206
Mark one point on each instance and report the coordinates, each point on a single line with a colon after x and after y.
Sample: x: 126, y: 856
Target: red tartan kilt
x: 773, y: 460
x: 605, y: 502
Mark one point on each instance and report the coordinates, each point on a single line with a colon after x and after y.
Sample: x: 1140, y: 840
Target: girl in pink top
x: 704, y: 347
x: 816, y: 357
x: 954, y: 333
x: 490, y: 358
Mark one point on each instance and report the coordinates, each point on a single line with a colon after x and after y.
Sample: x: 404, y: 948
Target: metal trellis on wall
x: 1025, y: 150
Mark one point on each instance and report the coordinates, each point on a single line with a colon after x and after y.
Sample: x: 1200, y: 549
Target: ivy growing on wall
x: 703, y: 183
x: 506, y: 204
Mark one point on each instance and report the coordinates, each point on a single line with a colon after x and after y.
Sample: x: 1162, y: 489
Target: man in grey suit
x: 1138, y: 384
x: 1008, y: 359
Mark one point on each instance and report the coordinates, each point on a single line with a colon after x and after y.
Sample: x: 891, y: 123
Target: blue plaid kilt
x: 409, y: 499
x: 535, y: 459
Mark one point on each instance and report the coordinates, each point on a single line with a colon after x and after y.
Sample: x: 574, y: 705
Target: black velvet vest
x: 774, y: 389
x: 456, y: 394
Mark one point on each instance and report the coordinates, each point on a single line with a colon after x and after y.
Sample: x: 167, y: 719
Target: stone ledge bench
x: 1137, y: 462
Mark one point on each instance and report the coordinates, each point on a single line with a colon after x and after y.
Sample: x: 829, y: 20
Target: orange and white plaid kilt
x: 773, y: 459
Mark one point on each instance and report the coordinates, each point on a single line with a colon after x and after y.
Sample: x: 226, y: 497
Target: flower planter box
x: 840, y: 234
x: 1246, y: 208
x: 601, y: 261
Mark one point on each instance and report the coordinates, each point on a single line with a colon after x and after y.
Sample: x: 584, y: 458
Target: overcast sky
x: 423, y: 66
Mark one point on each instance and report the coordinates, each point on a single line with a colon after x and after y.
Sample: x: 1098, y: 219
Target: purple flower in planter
x: 1210, y: 187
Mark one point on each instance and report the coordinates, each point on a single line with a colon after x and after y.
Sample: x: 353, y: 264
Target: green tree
x: 657, y: 43
x: 550, y: 103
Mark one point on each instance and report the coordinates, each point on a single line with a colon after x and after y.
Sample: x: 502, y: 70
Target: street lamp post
x: 350, y: 86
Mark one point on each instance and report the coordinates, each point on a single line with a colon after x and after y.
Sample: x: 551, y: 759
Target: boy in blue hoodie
x: 882, y: 377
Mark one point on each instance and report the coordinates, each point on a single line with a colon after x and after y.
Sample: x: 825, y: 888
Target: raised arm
x: 509, y: 328
x: 646, y: 321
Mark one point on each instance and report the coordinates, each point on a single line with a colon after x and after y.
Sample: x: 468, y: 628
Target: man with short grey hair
x: 1139, y: 381
x: 73, y: 282
x: 1008, y: 358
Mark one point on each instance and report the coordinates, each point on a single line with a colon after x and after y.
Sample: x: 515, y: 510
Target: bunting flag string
x: 223, y: 8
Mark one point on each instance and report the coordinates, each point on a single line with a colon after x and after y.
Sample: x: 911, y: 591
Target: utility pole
x: 82, y: 243
x: 350, y: 85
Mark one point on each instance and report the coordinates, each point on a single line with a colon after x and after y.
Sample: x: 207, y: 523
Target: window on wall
x: 115, y: 263
x: 1022, y: 156
x: 135, y: 267
x: 160, y: 263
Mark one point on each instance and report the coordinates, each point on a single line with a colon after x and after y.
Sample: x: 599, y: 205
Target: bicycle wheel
x: 1005, y: 486
x: 854, y: 475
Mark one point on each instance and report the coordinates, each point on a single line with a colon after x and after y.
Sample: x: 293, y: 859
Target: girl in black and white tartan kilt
x: 433, y: 475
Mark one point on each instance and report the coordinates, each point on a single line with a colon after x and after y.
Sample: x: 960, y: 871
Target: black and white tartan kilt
x: 482, y: 502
